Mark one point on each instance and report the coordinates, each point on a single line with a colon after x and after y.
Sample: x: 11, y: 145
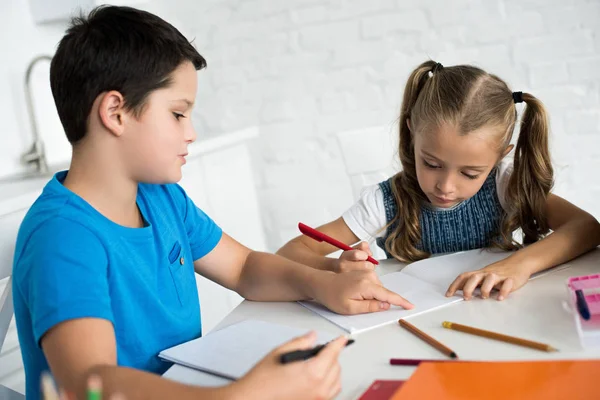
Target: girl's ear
x: 507, y: 150
x: 408, y: 124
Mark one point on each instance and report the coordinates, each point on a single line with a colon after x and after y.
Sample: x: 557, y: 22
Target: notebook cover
x: 503, y: 380
x: 381, y: 390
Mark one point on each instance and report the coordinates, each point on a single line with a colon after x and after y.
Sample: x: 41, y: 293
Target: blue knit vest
x: 469, y: 225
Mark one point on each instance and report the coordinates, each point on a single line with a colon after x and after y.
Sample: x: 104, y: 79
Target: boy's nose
x: 190, y: 135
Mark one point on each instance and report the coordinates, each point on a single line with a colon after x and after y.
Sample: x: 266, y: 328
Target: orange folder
x: 529, y: 380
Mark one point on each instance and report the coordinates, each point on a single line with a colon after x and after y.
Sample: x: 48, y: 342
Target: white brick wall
x: 306, y: 70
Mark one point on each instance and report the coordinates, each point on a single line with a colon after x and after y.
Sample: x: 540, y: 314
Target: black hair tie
x: 437, y: 67
x: 517, y: 97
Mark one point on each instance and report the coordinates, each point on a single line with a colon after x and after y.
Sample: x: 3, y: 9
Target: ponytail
x: 401, y: 243
x: 532, y: 178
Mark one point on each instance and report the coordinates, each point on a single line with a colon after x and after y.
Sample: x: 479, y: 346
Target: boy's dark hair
x: 114, y: 48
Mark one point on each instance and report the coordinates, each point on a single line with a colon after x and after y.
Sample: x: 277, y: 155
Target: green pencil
x: 94, y: 391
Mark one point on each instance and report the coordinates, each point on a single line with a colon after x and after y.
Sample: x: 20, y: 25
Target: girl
x: 459, y: 189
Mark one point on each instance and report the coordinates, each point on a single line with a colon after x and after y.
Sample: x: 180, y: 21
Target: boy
x: 105, y: 259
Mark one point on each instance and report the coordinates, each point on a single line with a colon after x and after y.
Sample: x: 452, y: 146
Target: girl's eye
x: 430, y: 165
x: 471, y: 176
x: 178, y: 116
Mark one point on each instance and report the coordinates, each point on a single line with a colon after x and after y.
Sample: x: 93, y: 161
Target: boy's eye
x: 428, y: 165
x: 471, y: 176
x: 178, y: 116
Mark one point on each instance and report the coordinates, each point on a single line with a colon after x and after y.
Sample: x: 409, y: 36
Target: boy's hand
x: 94, y: 385
x: 503, y: 275
x: 356, y: 259
x: 316, y: 378
x: 356, y: 292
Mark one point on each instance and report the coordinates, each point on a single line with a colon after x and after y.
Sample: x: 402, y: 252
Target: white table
x: 536, y: 312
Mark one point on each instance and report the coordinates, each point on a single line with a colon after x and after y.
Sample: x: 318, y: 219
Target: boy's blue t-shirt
x: 72, y: 262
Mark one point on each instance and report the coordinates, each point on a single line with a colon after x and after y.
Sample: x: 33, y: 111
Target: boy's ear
x: 112, y: 112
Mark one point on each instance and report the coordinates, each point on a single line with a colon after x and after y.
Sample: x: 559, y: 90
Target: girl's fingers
x: 488, y: 284
x: 457, y: 284
x: 506, y: 288
x: 471, y: 284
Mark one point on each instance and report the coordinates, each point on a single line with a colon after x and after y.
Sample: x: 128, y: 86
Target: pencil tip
x: 453, y: 355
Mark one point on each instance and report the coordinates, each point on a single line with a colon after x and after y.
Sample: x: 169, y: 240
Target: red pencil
x: 321, y: 237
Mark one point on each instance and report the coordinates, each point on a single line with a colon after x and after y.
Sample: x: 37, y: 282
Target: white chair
x: 9, y: 225
x: 370, y: 156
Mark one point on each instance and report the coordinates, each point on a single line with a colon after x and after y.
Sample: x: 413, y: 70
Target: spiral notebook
x: 423, y: 283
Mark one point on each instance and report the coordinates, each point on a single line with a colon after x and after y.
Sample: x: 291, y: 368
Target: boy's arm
x: 268, y: 277
x: 78, y: 348
x: 574, y: 233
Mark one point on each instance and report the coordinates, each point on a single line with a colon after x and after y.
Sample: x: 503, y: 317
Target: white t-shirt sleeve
x: 503, y: 173
x: 366, y: 218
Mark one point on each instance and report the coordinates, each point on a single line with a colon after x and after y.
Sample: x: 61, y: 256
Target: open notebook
x: 423, y: 283
x: 232, y: 351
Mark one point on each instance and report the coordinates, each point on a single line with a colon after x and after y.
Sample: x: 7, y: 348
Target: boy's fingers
x: 331, y: 380
x: 300, y: 343
x: 387, y: 296
x: 367, y: 306
x: 377, y: 298
x: 328, y: 357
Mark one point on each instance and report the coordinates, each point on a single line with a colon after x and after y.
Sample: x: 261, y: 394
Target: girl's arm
x: 574, y: 233
x: 312, y: 253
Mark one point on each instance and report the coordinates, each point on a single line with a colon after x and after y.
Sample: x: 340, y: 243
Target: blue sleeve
x: 65, y: 275
x: 203, y: 233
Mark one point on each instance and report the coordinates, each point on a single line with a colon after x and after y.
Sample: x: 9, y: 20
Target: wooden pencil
x: 428, y: 339
x: 498, y: 336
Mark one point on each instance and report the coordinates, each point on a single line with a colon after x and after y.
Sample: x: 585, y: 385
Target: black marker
x: 298, y: 355
x: 582, y: 306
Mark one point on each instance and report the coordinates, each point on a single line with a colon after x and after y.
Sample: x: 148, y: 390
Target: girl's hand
x: 356, y: 259
x: 503, y: 275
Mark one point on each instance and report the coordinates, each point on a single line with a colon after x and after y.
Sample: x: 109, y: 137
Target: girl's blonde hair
x: 470, y: 98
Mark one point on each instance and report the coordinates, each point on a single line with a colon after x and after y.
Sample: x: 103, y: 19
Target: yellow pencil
x: 498, y: 336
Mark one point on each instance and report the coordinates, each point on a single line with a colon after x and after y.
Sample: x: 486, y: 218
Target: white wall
x: 20, y: 41
x: 304, y: 70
